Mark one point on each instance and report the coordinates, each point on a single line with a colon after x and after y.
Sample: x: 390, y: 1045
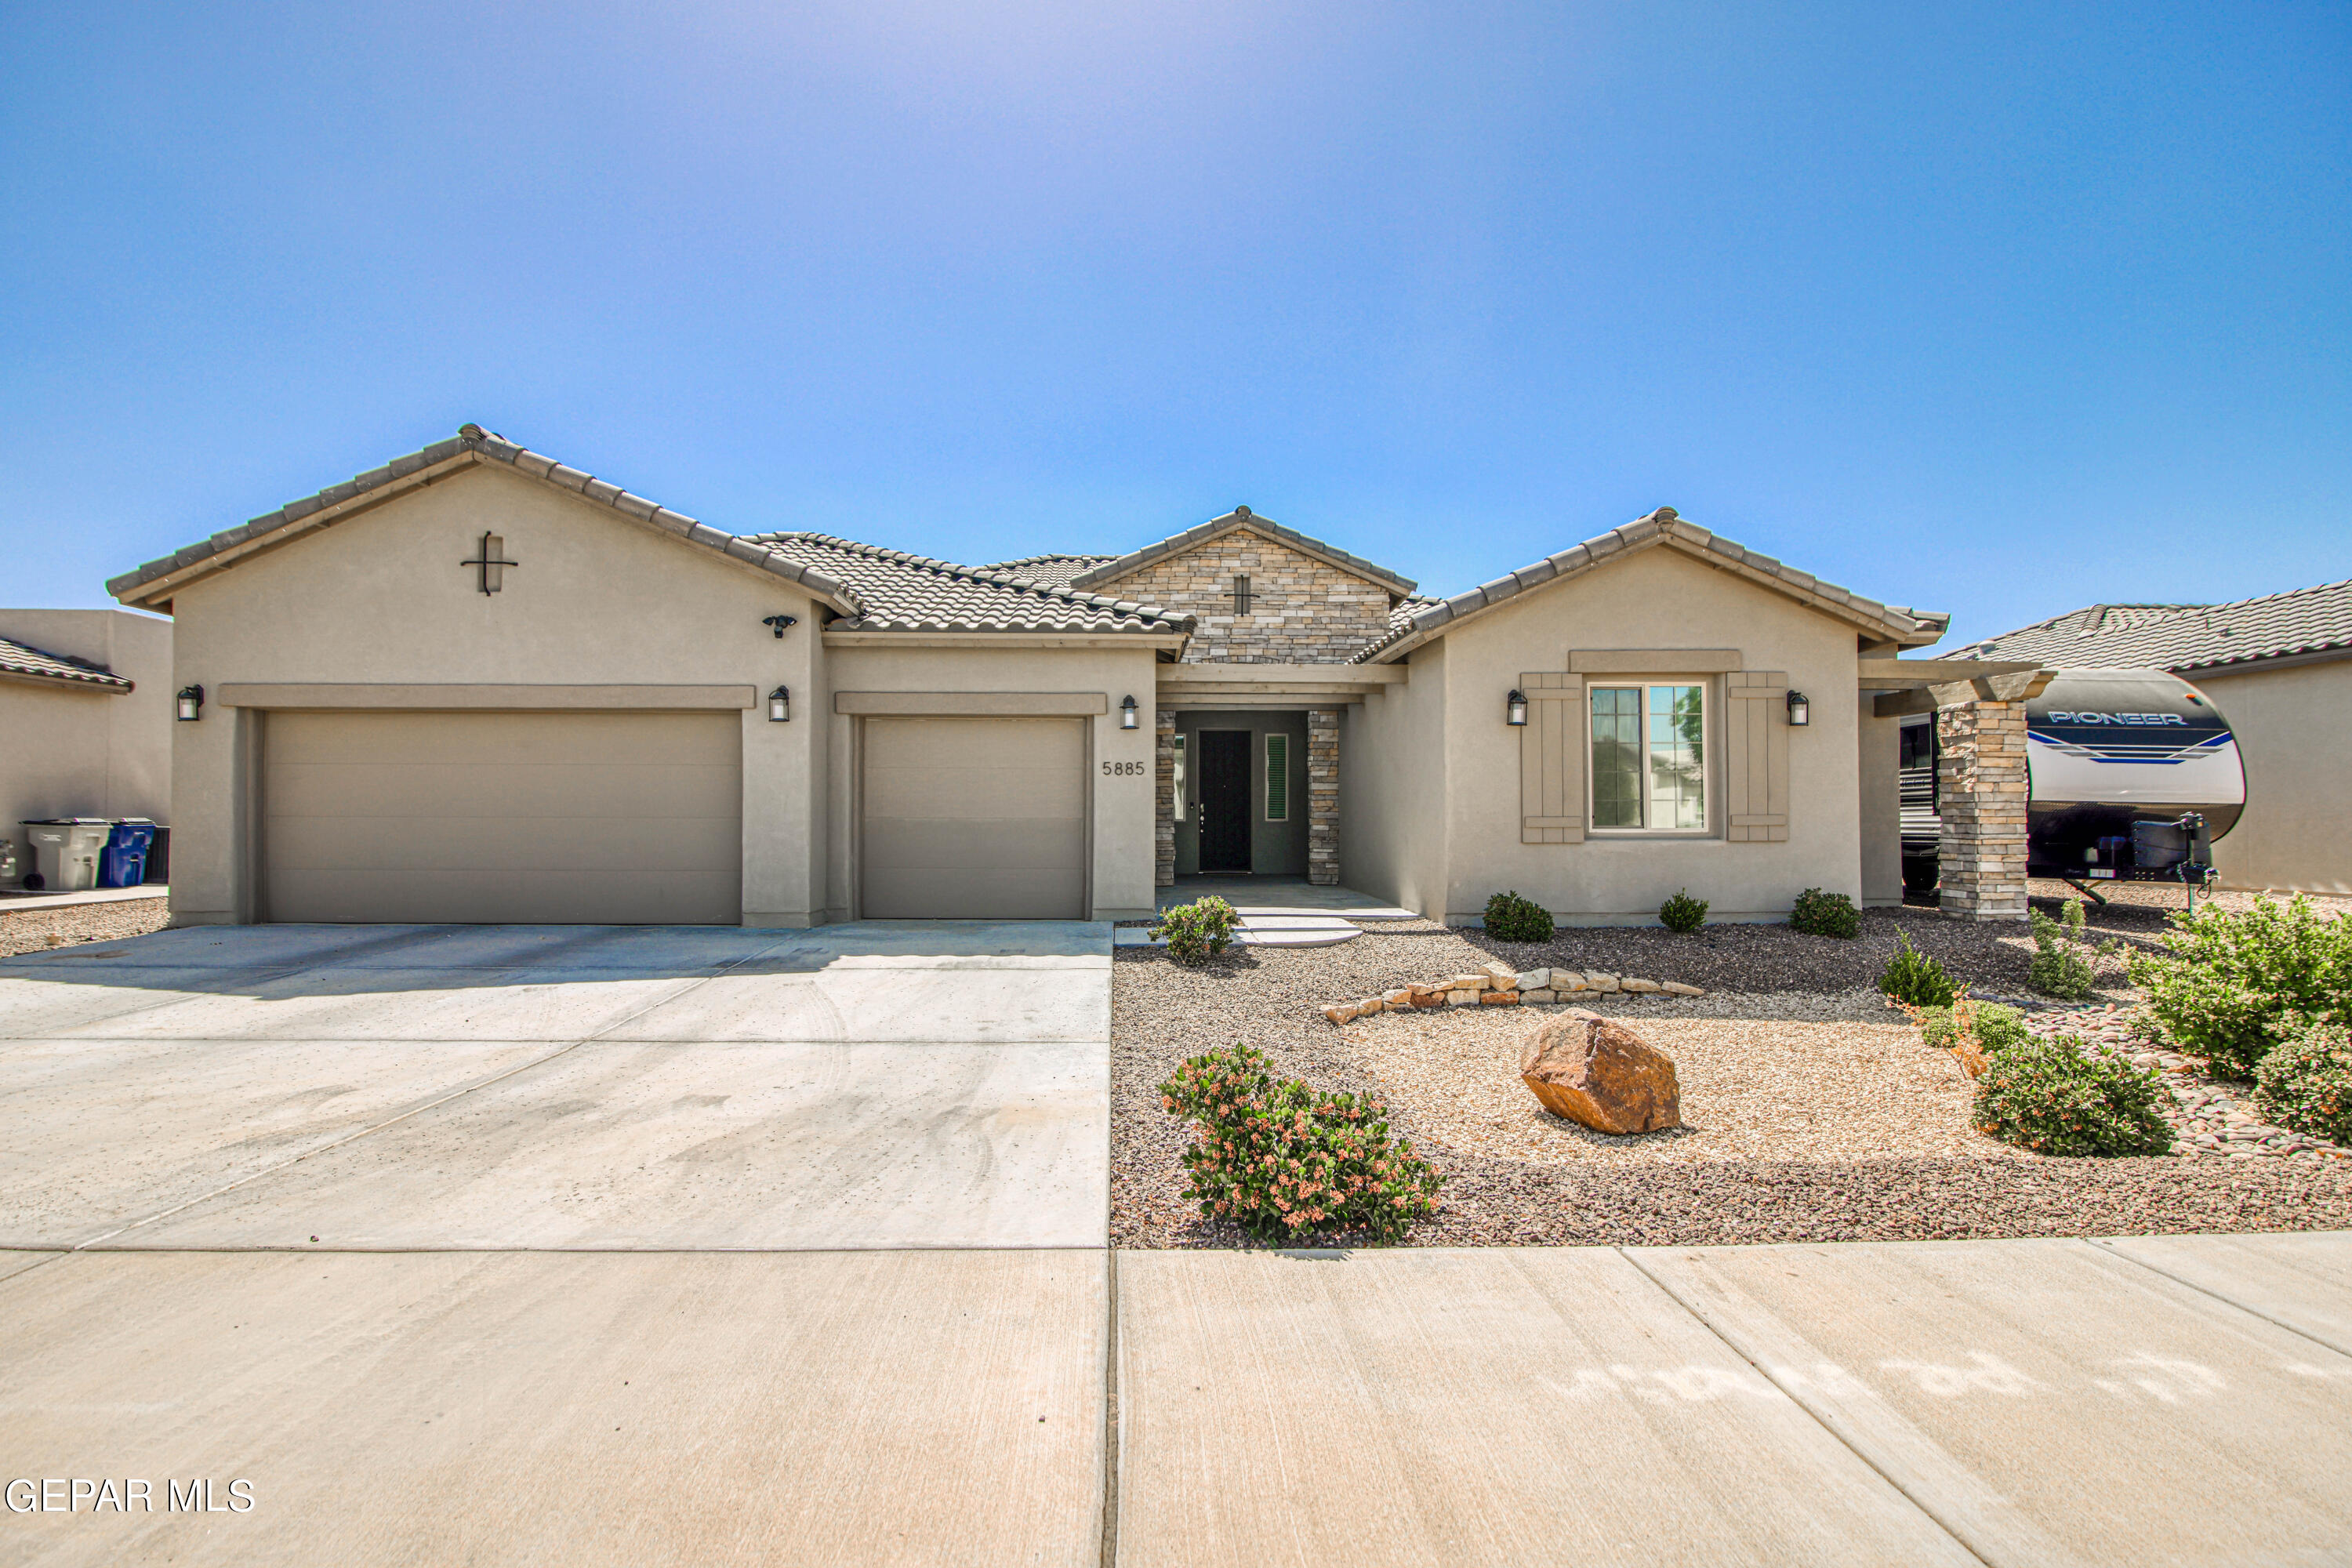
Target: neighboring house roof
x: 1053, y: 571
x: 471, y: 444
x: 1241, y: 517
x: 1894, y: 623
x: 2299, y: 624
x: 28, y: 663
x: 903, y: 592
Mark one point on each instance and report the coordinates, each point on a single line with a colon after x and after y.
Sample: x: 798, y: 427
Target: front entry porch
x: 1284, y: 895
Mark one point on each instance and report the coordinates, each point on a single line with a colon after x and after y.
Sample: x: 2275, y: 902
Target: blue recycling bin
x: 123, y: 863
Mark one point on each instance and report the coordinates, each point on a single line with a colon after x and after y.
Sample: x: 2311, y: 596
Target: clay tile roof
x: 2185, y: 638
x: 1241, y: 517
x: 1053, y: 570
x: 27, y: 663
x: 1416, y: 620
x: 472, y: 444
x: 906, y: 592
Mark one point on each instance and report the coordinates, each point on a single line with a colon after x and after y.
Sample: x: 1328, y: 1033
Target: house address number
x: 1114, y: 770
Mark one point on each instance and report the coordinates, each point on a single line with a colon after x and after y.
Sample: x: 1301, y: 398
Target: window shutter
x: 1552, y: 760
x: 1755, y: 756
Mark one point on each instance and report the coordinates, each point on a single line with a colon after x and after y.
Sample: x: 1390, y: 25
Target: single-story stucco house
x: 475, y: 684
x: 85, y: 718
x: 2280, y: 669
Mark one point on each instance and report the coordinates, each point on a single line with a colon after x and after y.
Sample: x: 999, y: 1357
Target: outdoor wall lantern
x: 780, y: 705
x: 1515, y: 707
x: 191, y: 699
x: 1127, y: 714
x: 1800, y: 712
x: 780, y: 622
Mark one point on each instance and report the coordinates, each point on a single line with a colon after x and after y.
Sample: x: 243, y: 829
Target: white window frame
x: 1643, y: 686
x: 1273, y: 772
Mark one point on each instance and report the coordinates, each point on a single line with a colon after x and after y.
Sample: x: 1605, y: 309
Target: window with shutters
x: 1278, y: 778
x: 1649, y: 758
x: 1241, y: 593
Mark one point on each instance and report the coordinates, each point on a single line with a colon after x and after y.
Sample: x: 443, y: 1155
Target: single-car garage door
x: 974, y: 819
x: 556, y: 819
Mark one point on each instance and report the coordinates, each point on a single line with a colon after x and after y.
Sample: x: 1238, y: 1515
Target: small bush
x: 1682, y: 912
x: 1997, y: 1027
x: 1912, y: 977
x: 1510, y: 918
x: 2062, y: 957
x: 1197, y: 931
x: 2047, y: 1096
x: 1825, y: 914
x: 2305, y: 1082
x: 2228, y: 986
x: 1283, y: 1160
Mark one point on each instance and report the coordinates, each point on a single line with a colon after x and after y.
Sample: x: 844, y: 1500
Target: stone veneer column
x: 1323, y: 796
x: 1981, y: 793
x: 1163, y: 800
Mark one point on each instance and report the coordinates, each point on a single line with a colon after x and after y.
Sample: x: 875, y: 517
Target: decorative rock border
x: 1497, y: 985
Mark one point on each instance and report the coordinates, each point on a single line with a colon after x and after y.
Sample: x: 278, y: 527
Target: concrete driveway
x: 635, y: 1247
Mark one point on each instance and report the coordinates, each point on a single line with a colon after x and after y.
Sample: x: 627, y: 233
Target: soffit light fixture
x: 1515, y: 707
x: 1127, y: 717
x: 780, y: 705
x: 191, y: 701
x: 1800, y: 712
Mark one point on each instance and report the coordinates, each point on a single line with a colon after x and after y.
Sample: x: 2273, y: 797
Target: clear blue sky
x: 1993, y: 310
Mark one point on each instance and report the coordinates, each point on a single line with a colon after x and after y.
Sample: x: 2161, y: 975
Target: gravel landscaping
x: 1812, y: 1112
x: 37, y: 930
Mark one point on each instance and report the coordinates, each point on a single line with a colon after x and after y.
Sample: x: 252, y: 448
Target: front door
x: 1224, y: 801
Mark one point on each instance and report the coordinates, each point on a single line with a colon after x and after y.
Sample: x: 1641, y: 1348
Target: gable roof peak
x: 1239, y: 518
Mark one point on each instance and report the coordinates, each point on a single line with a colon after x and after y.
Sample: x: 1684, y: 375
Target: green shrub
x: 1283, y: 1160
x: 2228, y: 984
x: 1825, y: 914
x: 1912, y: 977
x: 1197, y: 931
x: 2047, y: 1096
x: 2061, y: 958
x: 1997, y: 1027
x: 2305, y: 1082
x: 1510, y: 918
x: 1682, y: 912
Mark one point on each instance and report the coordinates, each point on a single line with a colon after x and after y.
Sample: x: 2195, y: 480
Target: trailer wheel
x: 1918, y: 872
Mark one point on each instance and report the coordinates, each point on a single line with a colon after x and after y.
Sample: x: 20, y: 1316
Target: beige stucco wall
x: 1657, y: 598
x: 596, y: 598
x: 1302, y: 610
x: 2295, y: 734
x: 1121, y: 803
x: 1881, y: 786
x: 1393, y: 816
x: 78, y: 751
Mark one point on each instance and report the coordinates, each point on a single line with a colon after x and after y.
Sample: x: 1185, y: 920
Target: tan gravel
x: 68, y: 925
x: 1750, y: 1088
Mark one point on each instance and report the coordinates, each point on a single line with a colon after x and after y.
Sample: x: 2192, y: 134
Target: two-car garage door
x: 627, y: 818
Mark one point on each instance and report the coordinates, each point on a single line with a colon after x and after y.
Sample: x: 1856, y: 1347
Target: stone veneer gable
x: 1302, y: 610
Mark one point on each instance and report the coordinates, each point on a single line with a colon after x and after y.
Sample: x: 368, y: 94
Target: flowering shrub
x: 1993, y: 1027
x: 1510, y: 918
x: 1283, y: 1160
x: 1817, y: 913
x: 1196, y: 932
x: 2062, y: 955
x: 2230, y: 986
x: 2047, y: 1096
x: 2307, y: 1083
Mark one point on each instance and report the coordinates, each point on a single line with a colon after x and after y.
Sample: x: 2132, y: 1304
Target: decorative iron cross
x: 493, y: 570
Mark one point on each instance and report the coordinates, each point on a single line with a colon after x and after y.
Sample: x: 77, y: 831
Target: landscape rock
x: 1498, y: 998
x: 1565, y: 980
x: 1639, y: 987
x: 1339, y: 1012
x: 1604, y: 984
x: 1598, y: 1073
x: 1498, y: 971
x: 1468, y: 983
x: 1370, y: 1005
x: 1538, y: 997
x: 1399, y: 997
x: 1462, y: 999
x: 1676, y: 988
x: 1531, y: 980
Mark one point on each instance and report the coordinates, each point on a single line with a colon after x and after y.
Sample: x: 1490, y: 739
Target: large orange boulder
x: 1598, y: 1072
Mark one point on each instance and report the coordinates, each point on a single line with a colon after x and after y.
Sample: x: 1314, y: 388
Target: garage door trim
x: 337, y: 696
